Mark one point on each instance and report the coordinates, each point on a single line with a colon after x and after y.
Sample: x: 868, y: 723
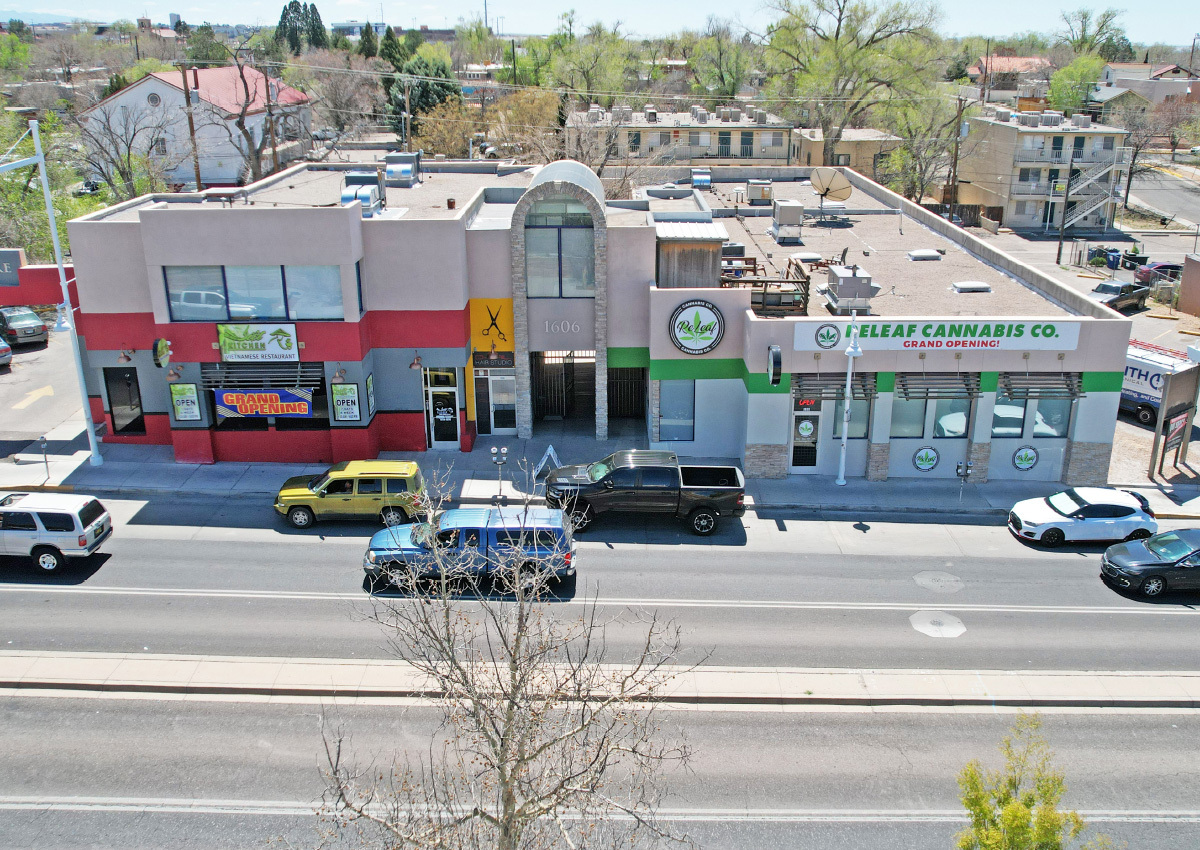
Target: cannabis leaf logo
x: 1025, y: 459
x: 827, y: 336
x: 925, y: 460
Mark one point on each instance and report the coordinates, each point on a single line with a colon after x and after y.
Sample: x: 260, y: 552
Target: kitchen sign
x: 185, y: 401
x: 244, y: 343
x: 345, y: 402
x: 696, y: 326
x: 946, y: 335
x: 295, y: 403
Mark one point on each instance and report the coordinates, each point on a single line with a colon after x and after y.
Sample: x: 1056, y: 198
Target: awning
x: 832, y: 385
x: 1023, y: 385
x: 261, y: 376
x: 911, y: 385
x: 690, y: 231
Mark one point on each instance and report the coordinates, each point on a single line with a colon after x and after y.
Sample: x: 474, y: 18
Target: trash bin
x: 1114, y: 259
x: 1096, y: 251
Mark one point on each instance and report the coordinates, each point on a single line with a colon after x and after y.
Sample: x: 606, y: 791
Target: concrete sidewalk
x: 205, y: 676
x: 146, y: 472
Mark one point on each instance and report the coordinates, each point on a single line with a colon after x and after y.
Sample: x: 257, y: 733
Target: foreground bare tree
x: 546, y: 740
x: 128, y: 147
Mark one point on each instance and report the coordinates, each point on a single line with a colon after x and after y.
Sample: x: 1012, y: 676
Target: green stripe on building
x: 885, y: 382
x: 716, y: 368
x: 1103, y: 382
x: 989, y: 382
x: 628, y: 358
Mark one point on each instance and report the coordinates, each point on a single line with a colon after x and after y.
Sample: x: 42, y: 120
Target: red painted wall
x: 466, y: 432
x: 193, y: 445
x: 272, y: 446
x: 158, y: 431
x: 401, y: 432
x: 38, y: 286
x: 354, y: 443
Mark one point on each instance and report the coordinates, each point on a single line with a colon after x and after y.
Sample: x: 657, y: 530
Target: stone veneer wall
x: 766, y: 461
x: 878, y: 455
x: 558, y: 188
x: 980, y: 456
x: 652, y: 412
x: 1086, y: 464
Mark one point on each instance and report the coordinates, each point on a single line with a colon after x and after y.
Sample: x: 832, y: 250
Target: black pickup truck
x: 642, y: 481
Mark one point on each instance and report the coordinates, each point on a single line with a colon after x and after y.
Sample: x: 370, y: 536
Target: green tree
x: 116, y: 82
x: 204, y: 49
x: 594, y: 65
x: 14, y: 53
x: 314, y: 28
x: 722, y: 60
x: 368, y: 45
x: 428, y: 84
x: 844, y: 58
x: 412, y: 41
x: 956, y: 70
x: 1085, y: 29
x: 474, y: 42
x: 927, y: 129
x: 182, y: 28
x: 1070, y: 86
x: 338, y: 41
x: 1017, y: 808
x: 1116, y: 48
x: 18, y: 28
x: 144, y: 67
x: 391, y: 50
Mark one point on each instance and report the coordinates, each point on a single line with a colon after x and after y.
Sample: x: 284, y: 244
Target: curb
x: 770, y: 700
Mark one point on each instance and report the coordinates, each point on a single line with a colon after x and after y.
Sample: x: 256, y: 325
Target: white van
x: 49, y: 527
x: 1147, y: 367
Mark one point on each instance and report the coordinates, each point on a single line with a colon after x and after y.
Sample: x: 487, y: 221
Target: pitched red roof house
x: 222, y: 88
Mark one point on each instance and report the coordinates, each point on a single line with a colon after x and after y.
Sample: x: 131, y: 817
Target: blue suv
x: 475, y: 541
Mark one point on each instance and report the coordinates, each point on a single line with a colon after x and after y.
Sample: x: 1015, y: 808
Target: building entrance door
x: 441, y: 408
x: 724, y: 143
x: 806, y: 431
x: 747, y: 144
x: 124, y: 400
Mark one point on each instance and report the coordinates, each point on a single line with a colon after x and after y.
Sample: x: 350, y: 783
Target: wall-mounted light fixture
x: 126, y: 355
x: 173, y: 374
x: 339, y: 375
x: 416, y: 363
x: 492, y: 354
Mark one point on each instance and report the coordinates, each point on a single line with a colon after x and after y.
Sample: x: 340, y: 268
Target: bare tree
x: 546, y: 740
x: 527, y: 125
x: 64, y: 54
x: 345, y: 99
x: 1174, y: 116
x: 1142, y: 129
x: 923, y: 157
x: 128, y: 147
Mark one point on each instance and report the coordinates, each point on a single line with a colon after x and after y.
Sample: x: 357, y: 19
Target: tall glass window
x: 314, y: 292
x: 195, y: 293
x: 908, y: 417
x: 1053, y: 417
x: 255, y: 292
x: 951, y: 417
x: 1008, y: 418
x: 677, y: 410
x: 860, y: 415
x: 559, y: 250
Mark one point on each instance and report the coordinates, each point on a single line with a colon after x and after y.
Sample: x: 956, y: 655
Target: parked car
x: 50, y: 527
x: 1152, y: 272
x: 475, y: 541
x: 1083, y: 514
x: 5, y: 353
x: 1147, y: 368
x: 1121, y: 296
x: 642, y: 481
x: 953, y: 218
x: 1167, y: 561
x: 387, y: 490
x: 20, y: 325
x: 201, y: 303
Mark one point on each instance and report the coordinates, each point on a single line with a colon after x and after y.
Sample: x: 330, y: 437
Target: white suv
x: 49, y: 527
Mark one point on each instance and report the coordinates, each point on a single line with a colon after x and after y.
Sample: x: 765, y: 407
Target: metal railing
x: 1120, y: 156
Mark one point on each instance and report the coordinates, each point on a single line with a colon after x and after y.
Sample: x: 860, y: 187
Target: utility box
x: 702, y: 179
x: 758, y: 193
x: 787, y: 221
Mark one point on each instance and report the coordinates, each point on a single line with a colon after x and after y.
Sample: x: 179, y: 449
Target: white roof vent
x: 925, y: 254
x: 971, y: 286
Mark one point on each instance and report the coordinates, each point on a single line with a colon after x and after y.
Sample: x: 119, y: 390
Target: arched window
x: 560, y: 257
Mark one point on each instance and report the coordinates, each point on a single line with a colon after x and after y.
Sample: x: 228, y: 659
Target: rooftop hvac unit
x: 722, y: 113
x: 1051, y: 119
x: 1029, y: 119
x: 652, y: 116
x: 1082, y: 120
x: 1003, y: 114
x: 735, y: 113
x: 402, y: 175
x: 850, y: 290
x: 733, y: 249
x: 368, y: 196
x: 761, y: 116
x: 702, y: 179
x: 758, y: 193
x: 702, y: 116
x: 788, y: 219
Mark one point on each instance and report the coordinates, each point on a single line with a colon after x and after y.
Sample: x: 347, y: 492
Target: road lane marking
x: 32, y: 396
x: 296, y: 808
x: 753, y: 604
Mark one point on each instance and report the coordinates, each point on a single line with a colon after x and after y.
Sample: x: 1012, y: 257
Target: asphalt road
x: 132, y: 773
x: 1169, y: 193
x: 778, y: 590
x: 38, y: 392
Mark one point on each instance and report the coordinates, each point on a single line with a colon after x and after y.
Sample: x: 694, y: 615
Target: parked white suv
x: 49, y: 527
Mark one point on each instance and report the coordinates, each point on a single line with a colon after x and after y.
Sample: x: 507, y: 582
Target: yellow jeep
x: 387, y: 490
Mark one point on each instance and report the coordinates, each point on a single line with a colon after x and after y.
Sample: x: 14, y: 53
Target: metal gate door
x: 627, y: 392
x: 548, y: 374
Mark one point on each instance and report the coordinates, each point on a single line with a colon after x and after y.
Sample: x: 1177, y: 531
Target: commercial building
x: 304, y: 324
x: 1015, y: 164
x: 860, y: 148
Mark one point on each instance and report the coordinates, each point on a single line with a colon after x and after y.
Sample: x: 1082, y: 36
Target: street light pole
x: 852, y: 351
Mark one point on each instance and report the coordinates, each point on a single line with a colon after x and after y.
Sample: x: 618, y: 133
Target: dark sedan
x: 1153, y: 272
x: 1167, y: 561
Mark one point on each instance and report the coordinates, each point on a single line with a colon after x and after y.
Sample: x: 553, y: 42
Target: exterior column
x: 979, y: 447
x: 879, y: 447
x: 600, y: 247
x: 1089, y: 447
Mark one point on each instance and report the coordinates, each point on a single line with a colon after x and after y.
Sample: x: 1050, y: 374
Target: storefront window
x: 908, y: 417
x: 1053, y: 417
x: 1008, y: 419
x: 860, y: 415
x: 255, y: 292
x: 541, y: 262
x: 195, y: 293
x: 676, y: 410
x: 951, y: 417
x: 314, y: 292
x: 559, y: 250
x: 578, y: 263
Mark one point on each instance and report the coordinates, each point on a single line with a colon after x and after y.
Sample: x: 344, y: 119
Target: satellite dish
x: 830, y: 183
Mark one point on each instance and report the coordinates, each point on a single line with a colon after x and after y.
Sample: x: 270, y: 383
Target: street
x: 1164, y: 191
x: 782, y: 589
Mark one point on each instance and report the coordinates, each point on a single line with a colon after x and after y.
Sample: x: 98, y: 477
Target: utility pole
x: 271, y: 122
x: 187, y: 100
x: 514, y: 61
x: 407, y: 112
x: 1062, y: 222
x: 987, y: 80
x: 954, y: 164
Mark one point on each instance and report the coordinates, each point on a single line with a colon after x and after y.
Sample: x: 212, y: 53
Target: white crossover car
x: 1083, y: 514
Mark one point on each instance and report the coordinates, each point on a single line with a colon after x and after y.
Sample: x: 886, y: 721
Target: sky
x: 1153, y: 21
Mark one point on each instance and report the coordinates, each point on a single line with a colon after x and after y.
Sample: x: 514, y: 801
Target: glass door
x: 806, y: 430
x: 124, y: 400
x: 441, y: 408
x: 504, y: 403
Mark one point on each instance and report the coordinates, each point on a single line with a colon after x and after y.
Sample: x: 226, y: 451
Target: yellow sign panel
x: 491, y: 324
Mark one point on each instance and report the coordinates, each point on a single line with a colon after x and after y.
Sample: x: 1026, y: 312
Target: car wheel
x: 393, y: 516
x: 1146, y: 415
x: 1052, y: 537
x: 47, y: 558
x: 703, y: 521
x: 300, y: 517
x: 581, y: 516
x: 1141, y: 304
x: 1138, y: 534
x: 1153, y: 586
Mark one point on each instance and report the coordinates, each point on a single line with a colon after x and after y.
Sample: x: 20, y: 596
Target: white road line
x: 757, y: 604
x: 288, y: 808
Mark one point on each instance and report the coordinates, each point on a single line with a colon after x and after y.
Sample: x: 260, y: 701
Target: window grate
x: 1022, y: 385
x: 915, y: 385
x: 261, y: 376
x: 833, y: 386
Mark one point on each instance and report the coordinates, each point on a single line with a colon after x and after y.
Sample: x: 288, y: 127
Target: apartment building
x: 859, y: 148
x: 1027, y: 165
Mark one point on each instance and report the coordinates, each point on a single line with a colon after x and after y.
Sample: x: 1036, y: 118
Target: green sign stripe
x: 628, y: 358
x: 885, y: 382
x: 989, y: 382
x: 1103, y: 382
x: 757, y: 382
x: 696, y: 369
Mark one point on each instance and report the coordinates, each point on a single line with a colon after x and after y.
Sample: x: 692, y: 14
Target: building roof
x: 691, y: 231
x: 668, y: 121
x: 1065, y: 126
x: 850, y: 134
x: 1106, y: 93
x: 570, y: 171
x: 1009, y: 64
x: 222, y: 87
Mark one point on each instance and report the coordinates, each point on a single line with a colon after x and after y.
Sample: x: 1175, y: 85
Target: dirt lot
x: 1131, y: 457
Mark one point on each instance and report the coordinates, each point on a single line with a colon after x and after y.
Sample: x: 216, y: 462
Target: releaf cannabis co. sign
x: 954, y: 335
x: 697, y: 326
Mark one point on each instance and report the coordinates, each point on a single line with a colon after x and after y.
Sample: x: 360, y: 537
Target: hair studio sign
x: 697, y: 326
